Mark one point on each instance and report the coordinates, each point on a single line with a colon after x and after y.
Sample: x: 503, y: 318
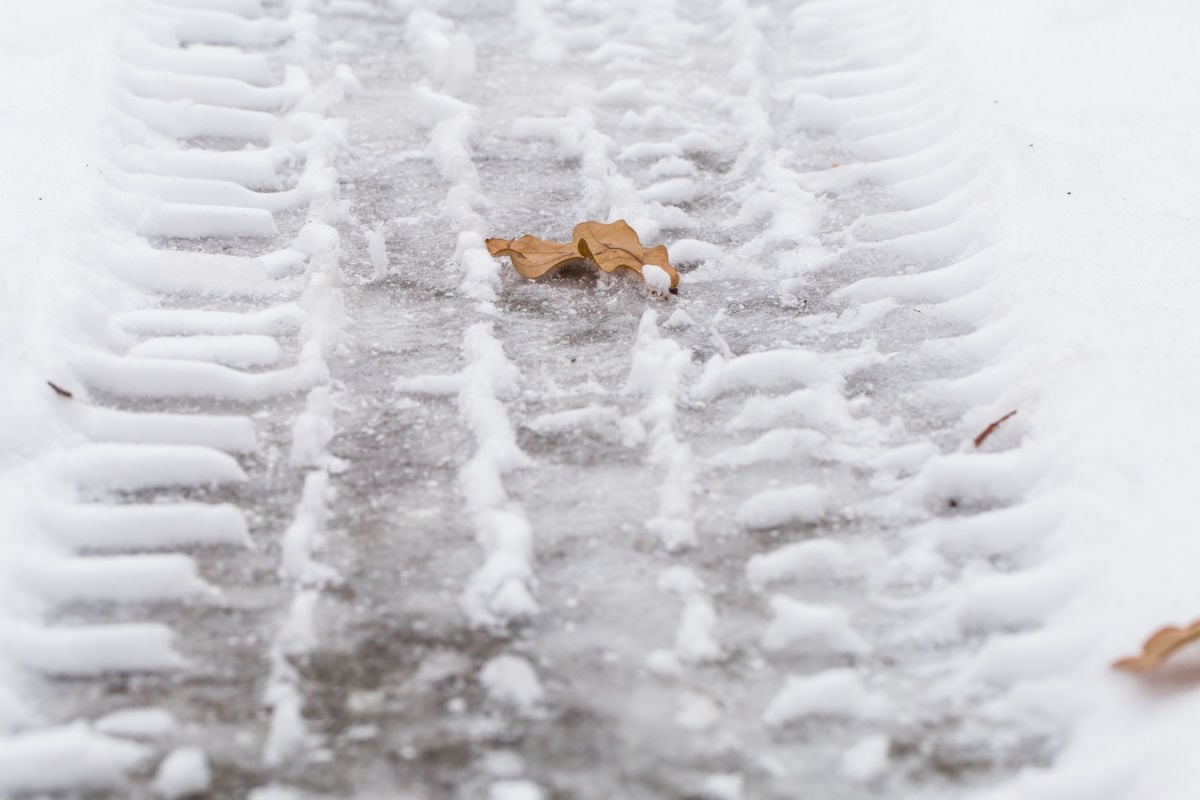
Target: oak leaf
x: 608, y: 246
x: 1161, y: 644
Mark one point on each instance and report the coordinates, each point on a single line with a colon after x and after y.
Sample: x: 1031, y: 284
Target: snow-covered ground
x: 1088, y: 122
x: 303, y: 494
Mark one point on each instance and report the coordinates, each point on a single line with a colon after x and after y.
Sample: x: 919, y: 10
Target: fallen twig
x: 61, y: 392
x: 981, y: 438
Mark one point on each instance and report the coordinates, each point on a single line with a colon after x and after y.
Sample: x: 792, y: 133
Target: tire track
x: 168, y: 404
x: 757, y: 522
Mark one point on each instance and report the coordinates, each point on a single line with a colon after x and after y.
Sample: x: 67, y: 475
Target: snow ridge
x: 178, y: 73
x: 500, y: 595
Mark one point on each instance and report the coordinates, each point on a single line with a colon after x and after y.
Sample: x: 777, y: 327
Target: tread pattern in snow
x: 748, y: 507
x: 157, y: 624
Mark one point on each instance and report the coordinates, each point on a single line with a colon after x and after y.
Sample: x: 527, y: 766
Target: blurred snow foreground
x: 303, y: 494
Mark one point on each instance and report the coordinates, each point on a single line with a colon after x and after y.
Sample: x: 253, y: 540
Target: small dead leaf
x: 607, y: 245
x: 1161, y: 644
x: 534, y: 257
x: 58, y: 390
x: 990, y: 429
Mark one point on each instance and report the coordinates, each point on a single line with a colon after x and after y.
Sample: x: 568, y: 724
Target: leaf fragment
x: 608, y: 246
x: 1161, y: 644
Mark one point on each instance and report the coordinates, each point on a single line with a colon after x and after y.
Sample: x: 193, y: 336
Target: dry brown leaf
x: 534, y: 257
x: 606, y: 245
x: 1158, y: 647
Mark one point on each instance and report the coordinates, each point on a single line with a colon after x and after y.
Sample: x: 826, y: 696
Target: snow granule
x: 834, y: 692
x: 866, y: 760
x: 515, y: 790
x: 724, y: 787
x: 656, y: 278
x: 183, y: 773
x: 138, y: 723
x: 511, y: 680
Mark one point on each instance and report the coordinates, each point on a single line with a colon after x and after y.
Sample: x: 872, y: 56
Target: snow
x: 124, y: 527
x: 808, y: 560
x: 129, y: 467
x: 772, y: 508
x: 183, y: 773
x: 91, y: 649
x: 515, y: 790
x: 773, y: 369
x: 724, y: 787
x: 510, y: 680
x: 1022, y: 177
x: 656, y: 278
x: 696, y: 635
x: 377, y: 252
x: 808, y: 627
x: 245, y: 350
x: 63, y: 758
x: 867, y: 760
x: 1087, y: 116
x: 138, y: 723
x: 834, y: 692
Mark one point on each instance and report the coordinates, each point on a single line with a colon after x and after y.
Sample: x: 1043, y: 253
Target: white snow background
x: 1086, y: 117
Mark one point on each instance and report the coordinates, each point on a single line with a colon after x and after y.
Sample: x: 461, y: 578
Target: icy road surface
x: 323, y: 501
